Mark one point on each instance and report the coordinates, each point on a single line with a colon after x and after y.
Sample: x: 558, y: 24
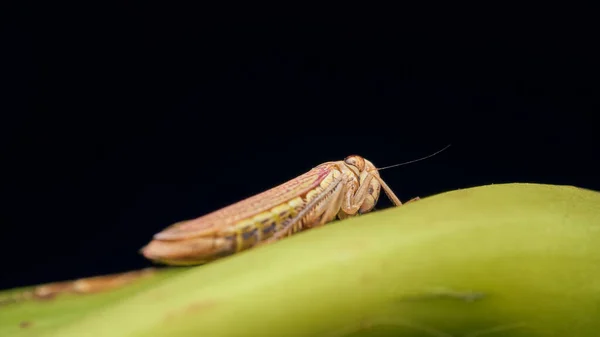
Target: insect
x: 337, y: 189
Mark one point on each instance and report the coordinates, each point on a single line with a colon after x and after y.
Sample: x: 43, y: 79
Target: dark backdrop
x: 116, y: 124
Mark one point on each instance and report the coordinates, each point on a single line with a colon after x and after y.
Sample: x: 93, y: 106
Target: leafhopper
x: 337, y: 189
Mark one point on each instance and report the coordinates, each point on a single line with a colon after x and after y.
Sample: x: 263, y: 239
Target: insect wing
x: 219, y: 220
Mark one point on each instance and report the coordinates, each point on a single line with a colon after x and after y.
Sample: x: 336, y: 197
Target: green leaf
x: 498, y: 260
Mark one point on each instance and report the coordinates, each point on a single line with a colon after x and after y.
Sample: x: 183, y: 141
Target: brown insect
x: 337, y: 189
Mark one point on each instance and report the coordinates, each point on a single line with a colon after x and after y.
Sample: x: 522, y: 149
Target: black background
x: 117, y: 123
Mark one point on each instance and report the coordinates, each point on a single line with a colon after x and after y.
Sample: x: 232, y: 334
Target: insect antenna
x: 387, y: 190
x: 411, y: 161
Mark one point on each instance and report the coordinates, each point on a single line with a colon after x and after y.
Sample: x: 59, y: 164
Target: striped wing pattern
x: 247, y: 208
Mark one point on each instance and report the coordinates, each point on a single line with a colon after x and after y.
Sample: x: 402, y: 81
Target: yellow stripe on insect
x: 337, y: 189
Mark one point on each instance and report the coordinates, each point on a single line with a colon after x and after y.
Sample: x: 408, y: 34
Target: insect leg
x: 388, y: 191
x: 333, y: 207
x: 312, y: 211
x: 353, y: 197
x: 413, y: 200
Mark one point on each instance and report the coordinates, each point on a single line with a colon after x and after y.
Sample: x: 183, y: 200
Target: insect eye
x: 356, y: 161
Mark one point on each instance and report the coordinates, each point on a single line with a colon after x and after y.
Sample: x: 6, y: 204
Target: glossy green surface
x: 498, y: 260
